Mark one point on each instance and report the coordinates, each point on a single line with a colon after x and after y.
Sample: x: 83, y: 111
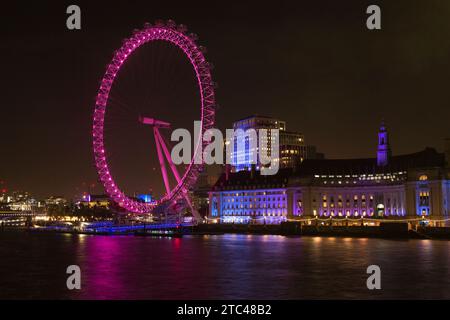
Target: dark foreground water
x: 220, y: 267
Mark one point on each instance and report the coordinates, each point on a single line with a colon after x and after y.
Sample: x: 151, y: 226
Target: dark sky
x: 312, y: 63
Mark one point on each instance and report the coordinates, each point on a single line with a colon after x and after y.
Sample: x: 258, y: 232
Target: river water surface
x: 33, y: 266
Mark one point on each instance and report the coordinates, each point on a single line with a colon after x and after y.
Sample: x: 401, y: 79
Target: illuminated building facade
x: 59, y: 201
x: 18, y: 201
x: 415, y: 185
x: 248, y: 197
x: 95, y: 201
x: 293, y: 149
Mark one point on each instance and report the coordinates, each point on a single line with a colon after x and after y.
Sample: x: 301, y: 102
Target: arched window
x: 380, y: 209
x: 423, y: 177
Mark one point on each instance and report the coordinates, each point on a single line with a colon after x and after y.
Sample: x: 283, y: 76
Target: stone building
x: 411, y: 186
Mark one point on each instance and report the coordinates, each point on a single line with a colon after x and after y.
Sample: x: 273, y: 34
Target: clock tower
x: 384, y: 150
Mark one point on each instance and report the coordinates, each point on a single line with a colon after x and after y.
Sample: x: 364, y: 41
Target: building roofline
x: 257, y: 116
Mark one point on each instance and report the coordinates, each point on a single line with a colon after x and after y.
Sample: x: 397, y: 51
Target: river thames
x: 33, y: 266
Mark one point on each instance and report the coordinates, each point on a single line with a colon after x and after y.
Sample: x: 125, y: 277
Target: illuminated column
x: 446, y: 201
x: 212, y: 205
x: 291, y: 205
x: 307, y: 202
x: 436, y: 209
x: 410, y: 191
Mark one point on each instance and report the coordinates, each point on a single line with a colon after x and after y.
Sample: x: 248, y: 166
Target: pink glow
x: 175, y: 35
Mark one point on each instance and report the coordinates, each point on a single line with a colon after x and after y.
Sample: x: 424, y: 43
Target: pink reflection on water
x: 104, y: 266
x: 176, y: 243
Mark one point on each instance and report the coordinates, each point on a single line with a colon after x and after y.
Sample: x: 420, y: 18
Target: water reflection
x: 222, y: 267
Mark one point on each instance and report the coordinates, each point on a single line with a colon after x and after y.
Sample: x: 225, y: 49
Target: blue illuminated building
x: 293, y: 149
x: 147, y: 198
x: 409, y: 186
x: 248, y: 197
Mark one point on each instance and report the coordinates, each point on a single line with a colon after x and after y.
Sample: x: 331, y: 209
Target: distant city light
x: 146, y: 198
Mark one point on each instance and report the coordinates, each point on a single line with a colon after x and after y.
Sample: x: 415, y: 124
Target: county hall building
x: 407, y: 186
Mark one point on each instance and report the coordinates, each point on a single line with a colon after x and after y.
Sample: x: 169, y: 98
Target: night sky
x: 312, y: 63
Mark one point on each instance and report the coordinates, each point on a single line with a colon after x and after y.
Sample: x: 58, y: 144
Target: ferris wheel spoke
x: 168, y: 157
x: 175, y: 173
x: 161, y: 162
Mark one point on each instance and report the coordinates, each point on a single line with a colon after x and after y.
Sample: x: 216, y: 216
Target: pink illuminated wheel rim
x: 177, y: 36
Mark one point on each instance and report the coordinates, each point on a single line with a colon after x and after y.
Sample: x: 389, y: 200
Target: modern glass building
x: 293, y: 149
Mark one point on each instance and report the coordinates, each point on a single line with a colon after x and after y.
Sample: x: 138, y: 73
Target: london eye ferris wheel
x: 128, y: 97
